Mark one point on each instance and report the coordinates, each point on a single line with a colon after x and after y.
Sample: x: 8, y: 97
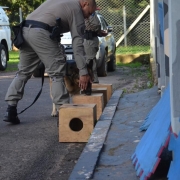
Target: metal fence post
x: 152, y: 29
x: 125, y: 27
x: 20, y: 15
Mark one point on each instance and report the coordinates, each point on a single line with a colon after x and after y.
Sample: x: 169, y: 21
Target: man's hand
x: 83, y: 81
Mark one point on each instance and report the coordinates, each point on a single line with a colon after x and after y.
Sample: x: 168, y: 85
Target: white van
x: 5, y: 39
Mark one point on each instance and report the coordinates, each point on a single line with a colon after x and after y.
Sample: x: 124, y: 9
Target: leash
x: 42, y: 70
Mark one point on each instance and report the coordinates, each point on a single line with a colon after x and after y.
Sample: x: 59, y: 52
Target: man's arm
x: 94, y: 24
x: 77, y: 27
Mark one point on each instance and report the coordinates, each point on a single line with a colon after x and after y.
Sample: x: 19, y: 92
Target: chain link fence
x: 131, y: 17
x: 123, y: 16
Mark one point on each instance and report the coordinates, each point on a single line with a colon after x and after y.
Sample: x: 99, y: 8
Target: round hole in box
x: 76, y: 124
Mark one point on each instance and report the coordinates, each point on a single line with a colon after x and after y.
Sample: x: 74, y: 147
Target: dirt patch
x: 129, y: 79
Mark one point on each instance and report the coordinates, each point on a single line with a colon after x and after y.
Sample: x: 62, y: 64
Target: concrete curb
x: 87, y: 162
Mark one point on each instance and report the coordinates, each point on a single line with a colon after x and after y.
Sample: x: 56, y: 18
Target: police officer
x: 38, y: 46
x: 91, y: 41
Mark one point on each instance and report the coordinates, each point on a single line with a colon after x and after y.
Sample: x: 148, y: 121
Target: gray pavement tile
x: 124, y: 135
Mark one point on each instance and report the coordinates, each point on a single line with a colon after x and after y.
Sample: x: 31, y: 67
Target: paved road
x: 31, y: 151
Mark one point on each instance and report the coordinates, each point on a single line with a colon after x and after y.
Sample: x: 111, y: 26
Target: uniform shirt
x: 72, y: 20
x: 92, y: 23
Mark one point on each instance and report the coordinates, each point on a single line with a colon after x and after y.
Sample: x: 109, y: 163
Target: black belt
x: 90, y: 34
x: 37, y: 24
x: 94, y: 34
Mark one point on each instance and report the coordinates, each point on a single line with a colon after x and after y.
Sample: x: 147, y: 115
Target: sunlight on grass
x: 14, y: 57
x: 132, y: 49
x: 13, y: 61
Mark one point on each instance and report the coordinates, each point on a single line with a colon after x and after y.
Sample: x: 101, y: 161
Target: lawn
x: 130, y: 65
x: 13, y: 61
x: 132, y: 49
x: 14, y: 55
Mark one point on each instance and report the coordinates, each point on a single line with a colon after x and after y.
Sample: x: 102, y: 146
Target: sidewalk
x: 115, y: 137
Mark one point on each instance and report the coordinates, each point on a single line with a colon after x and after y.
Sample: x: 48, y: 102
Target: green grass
x: 131, y: 65
x: 132, y: 49
x: 14, y: 56
x: 13, y: 61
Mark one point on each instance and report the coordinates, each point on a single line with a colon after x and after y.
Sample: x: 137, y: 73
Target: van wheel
x: 102, y: 70
x: 112, y: 63
x: 4, y: 57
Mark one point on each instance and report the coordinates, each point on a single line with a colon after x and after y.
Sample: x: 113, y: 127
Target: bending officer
x: 38, y: 46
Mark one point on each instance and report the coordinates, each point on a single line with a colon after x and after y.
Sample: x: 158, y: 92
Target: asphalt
x: 107, y: 154
x: 30, y: 151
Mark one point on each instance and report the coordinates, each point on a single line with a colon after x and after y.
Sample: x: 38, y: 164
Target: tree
x: 27, y: 7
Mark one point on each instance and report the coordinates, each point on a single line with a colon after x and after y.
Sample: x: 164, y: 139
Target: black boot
x: 11, y: 115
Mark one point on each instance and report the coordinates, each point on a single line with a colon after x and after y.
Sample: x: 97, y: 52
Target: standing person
x: 91, y: 41
x: 38, y: 46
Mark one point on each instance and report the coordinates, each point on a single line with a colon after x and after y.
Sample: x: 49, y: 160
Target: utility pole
x: 20, y: 14
x: 125, y: 27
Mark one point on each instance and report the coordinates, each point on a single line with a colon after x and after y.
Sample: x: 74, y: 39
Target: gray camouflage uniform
x: 91, y: 47
x: 39, y: 47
